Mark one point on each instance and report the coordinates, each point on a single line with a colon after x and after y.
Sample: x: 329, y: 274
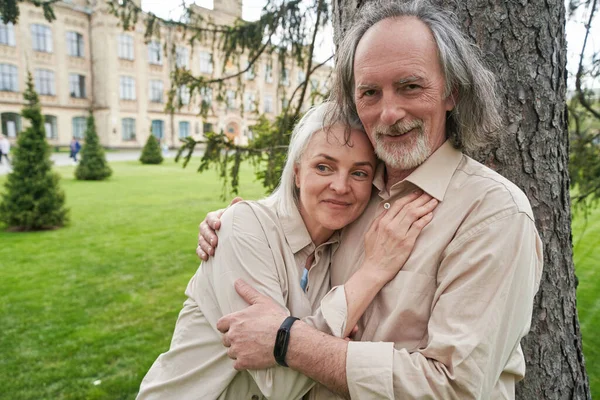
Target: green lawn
x: 98, y: 300
x: 586, y: 247
x: 85, y: 310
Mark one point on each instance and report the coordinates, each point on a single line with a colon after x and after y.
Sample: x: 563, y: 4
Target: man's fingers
x: 225, y: 340
x: 201, y: 254
x: 247, y: 292
x: 236, y: 200
x: 223, y: 324
x: 231, y: 353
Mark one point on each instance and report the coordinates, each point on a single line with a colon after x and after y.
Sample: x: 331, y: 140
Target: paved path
x: 60, y: 159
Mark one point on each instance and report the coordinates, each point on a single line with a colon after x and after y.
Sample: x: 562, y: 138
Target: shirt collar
x: 433, y: 176
x: 296, y: 234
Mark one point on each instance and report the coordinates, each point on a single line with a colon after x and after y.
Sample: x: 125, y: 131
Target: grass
x: 586, y: 248
x: 86, y: 309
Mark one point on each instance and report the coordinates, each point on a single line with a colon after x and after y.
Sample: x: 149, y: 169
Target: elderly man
x: 449, y: 325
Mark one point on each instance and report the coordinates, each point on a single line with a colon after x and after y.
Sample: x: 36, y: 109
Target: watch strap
x: 282, y: 340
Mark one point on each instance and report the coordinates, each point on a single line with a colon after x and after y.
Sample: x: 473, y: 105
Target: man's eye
x: 369, y: 93
x: 412, y: 87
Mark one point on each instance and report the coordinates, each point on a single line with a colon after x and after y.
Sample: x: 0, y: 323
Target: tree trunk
x: 524, y: 44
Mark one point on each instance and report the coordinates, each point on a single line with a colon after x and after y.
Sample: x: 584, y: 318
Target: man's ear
x: 452, y: 99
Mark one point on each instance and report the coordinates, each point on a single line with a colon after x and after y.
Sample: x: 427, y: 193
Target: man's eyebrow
x: 363, y: 86
x: 408, y: 79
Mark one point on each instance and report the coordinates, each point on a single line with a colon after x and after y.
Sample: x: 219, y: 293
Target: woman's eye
x: 361, y: 174
x: 322, y: 168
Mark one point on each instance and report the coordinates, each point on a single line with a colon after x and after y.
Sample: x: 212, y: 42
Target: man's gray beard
x: 404, y: 157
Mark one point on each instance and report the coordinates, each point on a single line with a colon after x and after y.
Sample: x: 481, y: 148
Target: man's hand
x: 207, y: 238
x: 250, y: 334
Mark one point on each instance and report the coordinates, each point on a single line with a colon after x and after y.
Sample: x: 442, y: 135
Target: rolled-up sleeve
x: 332, y: 314
x: 481, y: 309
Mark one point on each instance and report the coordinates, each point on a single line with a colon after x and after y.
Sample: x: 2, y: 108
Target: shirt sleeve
x: 332, y: 314
x: 481, y: 309
x: 245, y: 253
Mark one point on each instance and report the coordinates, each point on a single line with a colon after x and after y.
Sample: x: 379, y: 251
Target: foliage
x: 32, y: 199
x: 93, y: 165
x: 9, y: 9
x: 98, y: 300
x: 584, y: 114
x: 586, y: 236
x: 151, y: 153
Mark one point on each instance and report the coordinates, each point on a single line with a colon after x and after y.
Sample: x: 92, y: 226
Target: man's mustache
x: 399, y: 128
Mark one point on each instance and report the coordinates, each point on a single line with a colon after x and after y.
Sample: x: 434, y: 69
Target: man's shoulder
x: 483, y: 184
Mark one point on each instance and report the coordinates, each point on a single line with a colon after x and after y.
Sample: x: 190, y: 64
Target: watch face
x: 280, y: 341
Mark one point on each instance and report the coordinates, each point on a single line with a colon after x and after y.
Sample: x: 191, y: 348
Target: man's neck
x: 393, y: 176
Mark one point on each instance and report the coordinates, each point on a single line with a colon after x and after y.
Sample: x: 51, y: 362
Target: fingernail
x: 418, y: 191
x: 212, y: 242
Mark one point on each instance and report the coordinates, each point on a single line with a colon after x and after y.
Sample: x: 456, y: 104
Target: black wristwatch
x: 282, y: 340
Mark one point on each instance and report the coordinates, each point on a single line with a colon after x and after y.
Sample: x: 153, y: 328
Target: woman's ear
x: 296, y: 179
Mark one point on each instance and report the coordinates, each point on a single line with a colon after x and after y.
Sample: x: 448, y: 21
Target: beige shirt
x: 270, y: 253
x: 449, y: 325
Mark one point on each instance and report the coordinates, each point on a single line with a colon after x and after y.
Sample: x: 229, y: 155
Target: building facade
x: 84, y: 60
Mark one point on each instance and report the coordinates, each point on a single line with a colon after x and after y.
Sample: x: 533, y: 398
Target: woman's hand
x: 392, y: 235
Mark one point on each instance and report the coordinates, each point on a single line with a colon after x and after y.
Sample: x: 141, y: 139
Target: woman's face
x: 334, y: 180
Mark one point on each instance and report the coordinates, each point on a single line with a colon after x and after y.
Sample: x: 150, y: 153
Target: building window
x: 7, y: 34
x: 8, y: 78
x: 127, y: 88
x: 128, y: 129
x: 79, y: 124
x: 183, y: 94
x: 249, y: 102
x: 11, y: 124
x: 285, y: 77
x: 230, y: 99
x: 154, y: 53
x: 268, y: 104
x: 206, y: 95
x: 184, y: 129
x: 207, y: 127
x: 250, y: 73
x: 182, y: 57
x: 206, y: 62
x: 158, y: 127
x: 125, y: 47
x: 41, y: 38
x: 44, y: 82
x: 75, y: 44
x: 156, y: 91
x: 51, y: 126
x: 301, y: 76
x: 269, y: 73
x: 77, y: 86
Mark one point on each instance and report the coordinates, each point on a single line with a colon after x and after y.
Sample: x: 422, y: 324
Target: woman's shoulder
x: 248, y: 218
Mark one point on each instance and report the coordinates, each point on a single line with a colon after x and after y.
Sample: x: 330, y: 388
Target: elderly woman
x: 282, y: 246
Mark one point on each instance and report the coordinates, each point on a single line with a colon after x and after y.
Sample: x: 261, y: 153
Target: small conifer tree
x: 32, y: 199
x: 151, y: 152
x: 93, y: 165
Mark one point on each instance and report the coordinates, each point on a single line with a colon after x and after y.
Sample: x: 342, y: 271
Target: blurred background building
x: 84, y: 60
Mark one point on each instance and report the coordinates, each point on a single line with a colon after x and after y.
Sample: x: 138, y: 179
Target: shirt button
x: 386, y: 206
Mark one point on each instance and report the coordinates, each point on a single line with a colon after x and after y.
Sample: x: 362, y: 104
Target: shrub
x: 93, y: 165
x: 151, y: 153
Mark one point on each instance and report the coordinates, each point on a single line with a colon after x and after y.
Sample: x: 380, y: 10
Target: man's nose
x: 392, y: 110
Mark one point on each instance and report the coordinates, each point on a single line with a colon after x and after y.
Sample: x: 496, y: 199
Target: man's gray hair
x: 319, y: 118
x: 475, y: 118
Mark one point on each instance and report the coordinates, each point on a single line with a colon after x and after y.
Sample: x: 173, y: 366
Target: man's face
x: 399, y: 91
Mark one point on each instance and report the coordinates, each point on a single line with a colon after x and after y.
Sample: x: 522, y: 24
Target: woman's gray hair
x: 475, y: 118
x: 285, y: 197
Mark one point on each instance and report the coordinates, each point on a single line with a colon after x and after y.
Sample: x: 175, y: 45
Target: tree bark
x: 524, y: 44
